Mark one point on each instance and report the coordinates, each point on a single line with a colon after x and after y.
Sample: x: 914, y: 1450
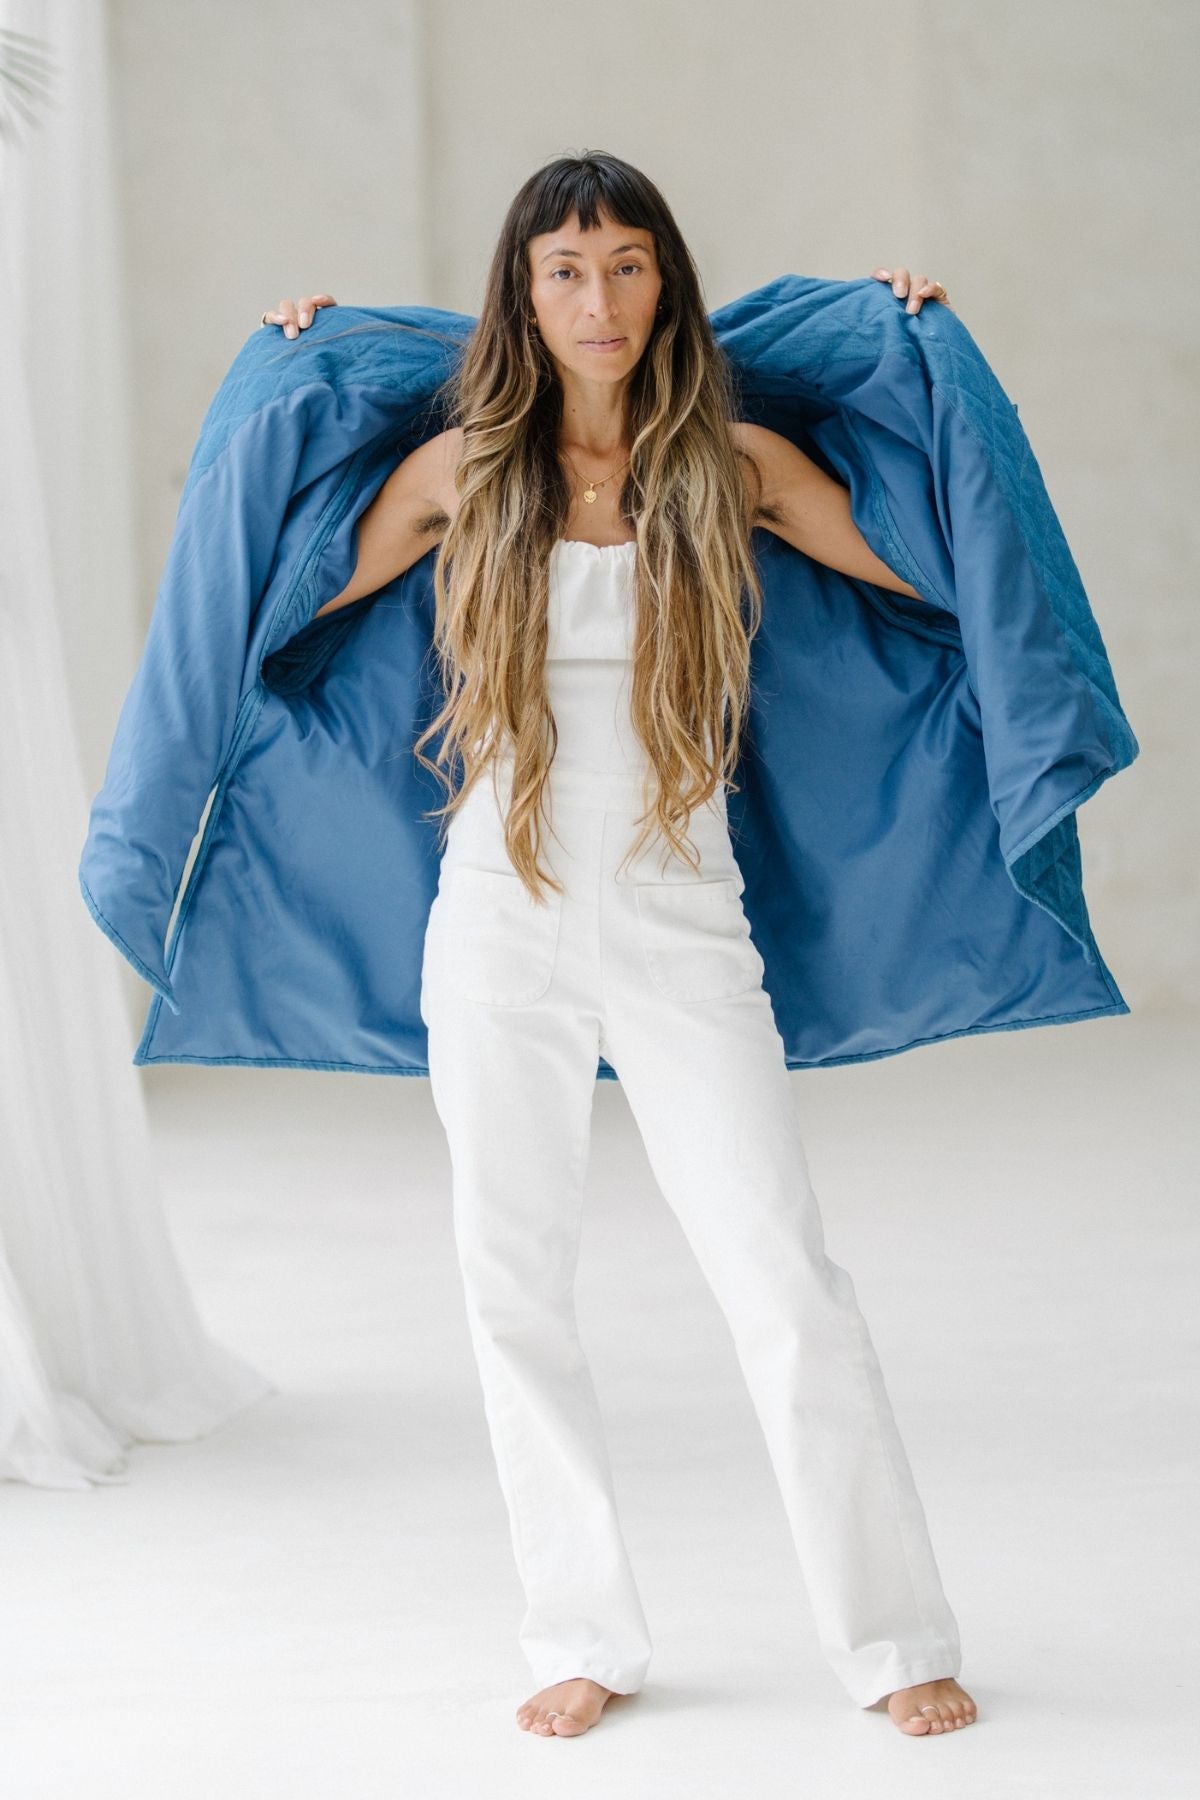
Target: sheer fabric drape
x: 101, y: 1343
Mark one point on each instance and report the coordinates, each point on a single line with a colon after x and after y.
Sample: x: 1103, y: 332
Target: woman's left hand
x: 924, y: 287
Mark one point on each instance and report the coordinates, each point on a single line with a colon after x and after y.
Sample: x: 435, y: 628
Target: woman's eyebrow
x: 577, y: 253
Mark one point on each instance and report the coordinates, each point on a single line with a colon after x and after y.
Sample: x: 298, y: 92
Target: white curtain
x: 101, y: 1344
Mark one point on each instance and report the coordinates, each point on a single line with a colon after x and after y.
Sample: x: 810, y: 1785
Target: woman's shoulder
x: 755, y: 440
x: 431, y: 468
x: 444, y: 449
x: 755, y: 451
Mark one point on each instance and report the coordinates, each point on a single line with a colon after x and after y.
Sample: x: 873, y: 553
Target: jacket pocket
x: 696, y: 939
x: 500, y: 944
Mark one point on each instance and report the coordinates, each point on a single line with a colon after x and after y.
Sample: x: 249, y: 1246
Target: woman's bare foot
x: 565, y: 1710
x: 929, y: 1708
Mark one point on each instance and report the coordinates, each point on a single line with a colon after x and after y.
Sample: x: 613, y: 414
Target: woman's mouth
x: 612, y: 343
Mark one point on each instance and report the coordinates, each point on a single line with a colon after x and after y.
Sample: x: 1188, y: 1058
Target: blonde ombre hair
x: 684, y: 495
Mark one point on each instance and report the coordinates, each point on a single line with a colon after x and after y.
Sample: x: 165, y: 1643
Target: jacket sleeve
x: 181, y: 716
x: 1050, y: 717
x: 946, y: 489
x: 1052, y: 724
x: 295, y: 442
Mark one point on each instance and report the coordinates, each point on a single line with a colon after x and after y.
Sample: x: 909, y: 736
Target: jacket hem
x: 609, y: 1074
x: 1065, y: 1018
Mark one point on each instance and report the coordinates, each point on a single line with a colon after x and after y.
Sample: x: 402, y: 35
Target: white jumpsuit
x: 652, y: 967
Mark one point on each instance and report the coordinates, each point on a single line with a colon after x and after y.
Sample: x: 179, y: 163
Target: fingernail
x: 305, y: 317
x: 912, y: 306
x: 289, y: 329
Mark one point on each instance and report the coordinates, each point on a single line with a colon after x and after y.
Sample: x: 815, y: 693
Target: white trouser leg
x: 690, y: 1032
x: 513, y: 1079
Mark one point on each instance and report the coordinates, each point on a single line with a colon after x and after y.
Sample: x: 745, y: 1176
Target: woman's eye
x: 636, y: 267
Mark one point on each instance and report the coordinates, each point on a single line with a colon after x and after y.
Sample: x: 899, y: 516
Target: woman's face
x: 590, y: 285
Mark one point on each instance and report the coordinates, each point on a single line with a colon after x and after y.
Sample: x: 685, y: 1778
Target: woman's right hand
x: 294, y: 315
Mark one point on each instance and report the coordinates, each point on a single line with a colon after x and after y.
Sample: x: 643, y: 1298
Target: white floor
x: 319, y: 1600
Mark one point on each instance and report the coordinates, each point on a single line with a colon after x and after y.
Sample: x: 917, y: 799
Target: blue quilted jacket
x: 905, y: 811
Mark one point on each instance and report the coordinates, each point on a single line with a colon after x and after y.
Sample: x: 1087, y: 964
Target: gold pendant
x: 590, y: 495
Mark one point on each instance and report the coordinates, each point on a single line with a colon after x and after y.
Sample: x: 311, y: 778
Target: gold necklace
x: 590, y: 492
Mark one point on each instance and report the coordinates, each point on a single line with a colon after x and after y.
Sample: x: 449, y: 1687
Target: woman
x: 593, y: 509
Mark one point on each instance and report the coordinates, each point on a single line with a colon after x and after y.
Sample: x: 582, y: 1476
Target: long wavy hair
x: 698, y: 596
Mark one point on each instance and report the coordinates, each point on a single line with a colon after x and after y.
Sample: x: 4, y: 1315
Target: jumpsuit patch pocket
x: 500, y: 943
x: 696, y: 939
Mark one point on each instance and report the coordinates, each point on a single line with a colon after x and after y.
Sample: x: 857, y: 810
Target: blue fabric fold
x: 905, y: 806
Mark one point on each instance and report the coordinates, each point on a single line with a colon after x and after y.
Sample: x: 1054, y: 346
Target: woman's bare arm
x: 407, y: 517
x: 808, y: 509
